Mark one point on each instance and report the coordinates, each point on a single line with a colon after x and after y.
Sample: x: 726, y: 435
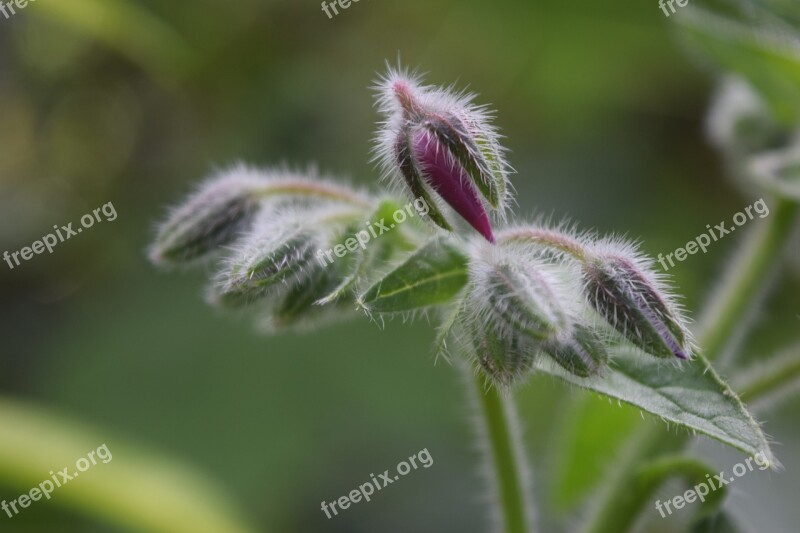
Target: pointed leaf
x: 430, y: 276
x: 691, y: 396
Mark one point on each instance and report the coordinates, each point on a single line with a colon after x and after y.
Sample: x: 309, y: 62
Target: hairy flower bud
x: 450, y: 180
x: 300, y: 307
x: 522, y: 301
x: 512, y: 310
x: 216, y: 214
x: 581, y: 353
x: 440, y: 142
x: 267, y: 264
x: 503, y: 359
x: 621, y: 287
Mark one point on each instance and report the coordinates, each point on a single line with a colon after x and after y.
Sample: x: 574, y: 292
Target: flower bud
x: 629, y: 296
x: 267, y: 266
x: 440, y: 142
x: 216, y: 214
x: 582, y: 353
x: 521, y: 301
x: 442, y: 172
x: 512, y: 310
x: 504, y: 360
x: 300, y: 308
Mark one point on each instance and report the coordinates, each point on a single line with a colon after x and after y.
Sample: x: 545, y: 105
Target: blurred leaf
x: 691, y: 396
x: 757, y: 39
x: 133, y: 490
x: 432, y: 275
x: 651, y: 475
x: 586, y: 444
x: 129, y: 28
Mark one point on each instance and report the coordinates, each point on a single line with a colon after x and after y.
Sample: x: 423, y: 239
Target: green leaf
x: 691, y: 396
x: 584, y: 444
x: 756, y: 40
x: 651, y: 475
x: 134, y: 489
x: 432, y: 275
x: 449, y: 321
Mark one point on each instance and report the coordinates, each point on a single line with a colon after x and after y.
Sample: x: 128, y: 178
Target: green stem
x: 499, y: 417
x: 777, y: 373
x: 744, y: 283
x: 726, y: 316
x: 643, y: 480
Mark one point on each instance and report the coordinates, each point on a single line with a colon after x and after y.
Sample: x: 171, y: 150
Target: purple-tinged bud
x: 442, y: 143
x: 449, y: 179
x: 414, y: 181
x: 621, y: 287
x: 480, y: 158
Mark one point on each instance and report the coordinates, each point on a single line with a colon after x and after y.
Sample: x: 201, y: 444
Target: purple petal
x: 449, y: 179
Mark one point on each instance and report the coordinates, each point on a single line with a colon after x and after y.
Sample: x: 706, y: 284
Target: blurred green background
x: 133, y: 102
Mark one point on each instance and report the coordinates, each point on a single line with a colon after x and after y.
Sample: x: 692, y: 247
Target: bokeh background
x: 133, y: 102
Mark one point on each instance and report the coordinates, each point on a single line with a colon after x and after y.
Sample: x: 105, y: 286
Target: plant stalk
x: 506, y: 458
x: 745, y: 283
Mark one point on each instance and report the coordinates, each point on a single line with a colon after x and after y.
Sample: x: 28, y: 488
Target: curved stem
x: 304, y: 187
x: 746, y: 279
x: 507, y: 462
x: 546, y: 237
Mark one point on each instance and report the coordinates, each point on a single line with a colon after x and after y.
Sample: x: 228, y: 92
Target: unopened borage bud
x: 221, y: 210
x: 624, y: 291
x: 582, y: 352
x: 264, y: 268
x: 503, y: 359
x: 511, y: 312
x: 439, y: 143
